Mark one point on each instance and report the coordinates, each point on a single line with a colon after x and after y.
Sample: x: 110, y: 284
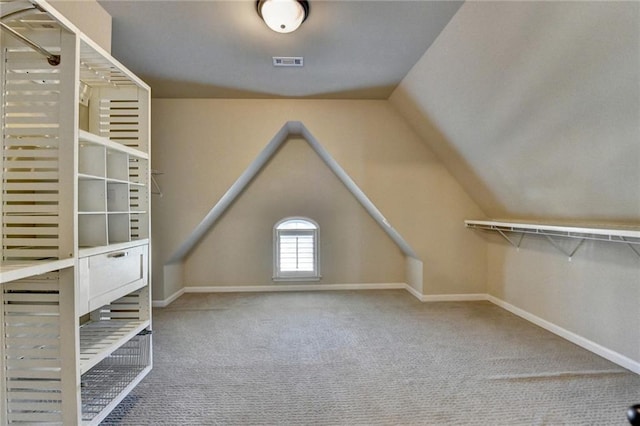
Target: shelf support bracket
x: 154, y: 183
x: 557, y: 246
x: 631, y: 246
x: 517, y: 246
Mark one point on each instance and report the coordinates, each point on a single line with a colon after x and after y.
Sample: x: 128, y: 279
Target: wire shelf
x: 627, y: 235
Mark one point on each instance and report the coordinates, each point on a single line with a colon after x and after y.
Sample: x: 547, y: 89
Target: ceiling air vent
x: 288, y: 61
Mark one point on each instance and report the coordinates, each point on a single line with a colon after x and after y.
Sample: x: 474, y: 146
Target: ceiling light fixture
x: 283, y: 16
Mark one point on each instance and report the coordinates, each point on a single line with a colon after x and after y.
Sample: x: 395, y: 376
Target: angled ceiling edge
x: 291, y: 128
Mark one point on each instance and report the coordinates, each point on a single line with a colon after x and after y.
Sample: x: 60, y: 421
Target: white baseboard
x: 316, y: 287
x: 445, y: 297
x: 280, y: 287
x: 166, y: 302
x: 473, y: 297
x: 293, y: 287
x: 414, y: 292
x: 587, y: 344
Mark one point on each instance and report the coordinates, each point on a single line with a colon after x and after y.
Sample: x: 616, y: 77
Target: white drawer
x: 108, y: 276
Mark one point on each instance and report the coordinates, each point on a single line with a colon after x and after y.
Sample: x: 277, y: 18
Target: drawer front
x: 109, y: 276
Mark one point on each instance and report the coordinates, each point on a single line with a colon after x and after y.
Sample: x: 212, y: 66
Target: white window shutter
x: 296, y: 249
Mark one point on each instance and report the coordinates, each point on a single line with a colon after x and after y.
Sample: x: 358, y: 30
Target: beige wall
x: 595, y: 295
x: 238, y: 250
x: 202, y: 146
x: 534, y: 108
x: 89, y: 17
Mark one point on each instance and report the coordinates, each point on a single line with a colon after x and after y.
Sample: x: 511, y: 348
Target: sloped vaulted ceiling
x: 535, y: 107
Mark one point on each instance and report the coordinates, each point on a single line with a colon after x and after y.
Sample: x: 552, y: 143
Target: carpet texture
x: 366, y: 358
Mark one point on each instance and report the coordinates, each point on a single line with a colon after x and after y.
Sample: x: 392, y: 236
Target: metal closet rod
x: 53, y: 60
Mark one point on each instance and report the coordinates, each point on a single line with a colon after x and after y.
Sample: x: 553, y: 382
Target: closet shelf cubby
x: 112, y: 191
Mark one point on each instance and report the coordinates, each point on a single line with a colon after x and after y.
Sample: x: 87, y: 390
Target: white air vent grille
x: 288, y: 61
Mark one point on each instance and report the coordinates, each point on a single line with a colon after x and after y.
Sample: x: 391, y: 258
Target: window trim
x: 279, y: 275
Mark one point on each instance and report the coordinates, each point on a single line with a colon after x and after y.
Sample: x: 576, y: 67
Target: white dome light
x: 283, y: 16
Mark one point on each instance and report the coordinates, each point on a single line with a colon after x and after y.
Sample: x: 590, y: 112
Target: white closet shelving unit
x: 514, y: 232
x: 75, y: 294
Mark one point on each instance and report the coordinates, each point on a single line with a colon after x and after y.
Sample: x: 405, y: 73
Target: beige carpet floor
x: 366, y: 358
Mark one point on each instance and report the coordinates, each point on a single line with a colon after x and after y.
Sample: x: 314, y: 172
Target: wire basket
x: 105, y: 382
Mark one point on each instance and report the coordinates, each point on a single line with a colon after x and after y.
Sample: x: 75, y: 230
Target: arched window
x: 295, y: 244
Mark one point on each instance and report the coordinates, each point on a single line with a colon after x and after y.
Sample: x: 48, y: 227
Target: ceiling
x: 222, y: 49
x: 535, y: 108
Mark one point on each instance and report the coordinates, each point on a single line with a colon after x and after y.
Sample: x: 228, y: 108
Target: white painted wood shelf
x: 626, y: 235
x: 12, y: 270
